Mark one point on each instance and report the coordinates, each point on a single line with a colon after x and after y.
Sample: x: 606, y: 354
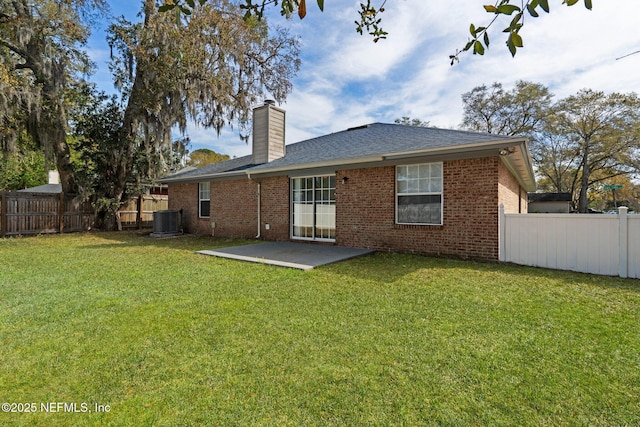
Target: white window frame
x: 430, y: 192
x: 314, y: 237
x: 204, y: 195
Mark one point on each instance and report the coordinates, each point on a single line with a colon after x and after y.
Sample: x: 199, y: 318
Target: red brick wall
x: 234, y: 208
x: 510, y: 193
x: 275, y: 208
x: 365, y: 212
x: 365, y: 209
x: 185, y: 197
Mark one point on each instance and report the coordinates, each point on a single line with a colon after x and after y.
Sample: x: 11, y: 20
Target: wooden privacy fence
x: 40, y: 213
x: 590, y: 243
x: 24, y: 213
x: 138, y: 211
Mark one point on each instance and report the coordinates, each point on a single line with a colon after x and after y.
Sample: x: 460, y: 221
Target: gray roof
x: 549, y: 197
x: 376, y: 139
x: 46, y: 188
x: 237, y: 164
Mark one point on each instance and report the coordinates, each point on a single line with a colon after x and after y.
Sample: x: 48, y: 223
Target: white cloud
x: 347, y: 80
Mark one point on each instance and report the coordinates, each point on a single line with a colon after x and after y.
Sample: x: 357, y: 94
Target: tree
x: 96, y: 151
x: 22, y: 170
x: 519, y: 111
x: 24, y: 165
x: 606, y: 198
x: 407, y: 121
x: 555, y: 161
x: 210, y: 66
x: 576, y: 143
x: 40, y: 58
x: 204, y: 156
x: 603, y: 136
x: 369, y: 19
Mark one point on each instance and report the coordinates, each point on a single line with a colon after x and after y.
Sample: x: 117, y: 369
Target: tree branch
x: 595, y: 181
x: 12, y: 47
x: 628, y: 54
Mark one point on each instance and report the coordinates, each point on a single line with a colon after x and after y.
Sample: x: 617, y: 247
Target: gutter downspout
x: 259, y: 227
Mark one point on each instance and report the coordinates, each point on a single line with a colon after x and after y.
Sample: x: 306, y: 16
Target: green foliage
x: 40, y: 60
x: 97, y: 152
x: 168, y: 337
x: 515, y: 10
x: 624, y: 193
x: 407, y: 121
x: 22, y: 164
x: 204, y: 156
x: 519, y: 111
x: 22, y: 170
x: 370, y: 21
x: 209, y: 66
x: 576, y: 143
x: 603, y: 135
x: 369, y: 16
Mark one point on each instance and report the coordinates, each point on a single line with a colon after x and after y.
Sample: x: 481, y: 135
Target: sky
x: 346, y: 80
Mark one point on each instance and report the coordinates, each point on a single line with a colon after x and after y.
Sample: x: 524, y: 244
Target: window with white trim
x: 419, y: 194
x: 204, y: 199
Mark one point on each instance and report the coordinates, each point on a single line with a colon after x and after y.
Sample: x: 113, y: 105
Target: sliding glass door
x: 313, y: 213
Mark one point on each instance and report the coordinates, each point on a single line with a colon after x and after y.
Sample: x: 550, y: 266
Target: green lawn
x: 164, y: 336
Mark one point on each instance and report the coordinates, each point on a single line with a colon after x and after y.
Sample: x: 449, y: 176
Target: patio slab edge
x: 302, y: 256
x: 257, y: 260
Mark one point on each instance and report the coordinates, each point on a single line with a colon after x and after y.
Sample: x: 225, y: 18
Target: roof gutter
x: 315, y: 165
x: 200, y: 178
x: 502, y: 143
x: 490, y: 145
x: 528, y: 184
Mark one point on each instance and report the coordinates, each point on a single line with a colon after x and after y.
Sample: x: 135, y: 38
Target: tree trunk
x: 48, y: 126
x: 123, y: 161
x: 63, y: 157
x: 583, y: 202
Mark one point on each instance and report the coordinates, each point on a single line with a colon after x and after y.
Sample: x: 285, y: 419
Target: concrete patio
x: 303, y: 256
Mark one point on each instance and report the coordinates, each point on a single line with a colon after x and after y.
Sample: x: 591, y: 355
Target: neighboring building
x: 382, y: 186
x: 52, y: 187
x: 549, y: 202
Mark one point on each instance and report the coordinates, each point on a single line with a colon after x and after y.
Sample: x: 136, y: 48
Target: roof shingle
x: 375, y: 139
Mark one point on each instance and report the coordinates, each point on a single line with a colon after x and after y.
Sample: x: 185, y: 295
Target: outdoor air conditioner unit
x: 166, y: 222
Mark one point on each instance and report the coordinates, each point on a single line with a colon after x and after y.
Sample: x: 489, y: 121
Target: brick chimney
x: 268, y: 133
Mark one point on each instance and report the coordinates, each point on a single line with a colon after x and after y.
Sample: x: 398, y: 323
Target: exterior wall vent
x: 357, y: 127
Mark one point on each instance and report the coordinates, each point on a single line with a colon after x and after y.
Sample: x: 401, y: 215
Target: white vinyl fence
x: 599, y: 244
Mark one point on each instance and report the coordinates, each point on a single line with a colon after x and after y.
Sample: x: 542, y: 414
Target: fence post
x: 623, y: 267
x: 502, y: 238
x: 139, y: 213
x: 3, y: 214
x: 61, y: 212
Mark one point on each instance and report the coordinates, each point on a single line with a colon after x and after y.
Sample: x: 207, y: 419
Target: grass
x: 168, y: 337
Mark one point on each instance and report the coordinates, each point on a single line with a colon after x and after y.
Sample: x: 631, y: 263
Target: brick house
x: 380, y: 186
